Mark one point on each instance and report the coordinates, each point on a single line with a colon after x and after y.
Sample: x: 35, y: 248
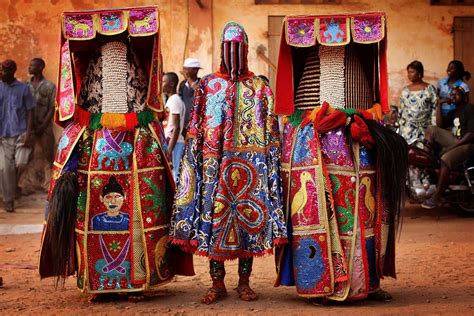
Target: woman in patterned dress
x: 417, y: 103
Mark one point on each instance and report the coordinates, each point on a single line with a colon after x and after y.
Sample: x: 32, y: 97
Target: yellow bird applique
x: 301, y: 197
x: 369, y: 199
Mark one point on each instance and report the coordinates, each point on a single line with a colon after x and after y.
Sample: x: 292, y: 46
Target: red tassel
x: 81, y: 116
x: 360, y: 132
x: 131, y: 120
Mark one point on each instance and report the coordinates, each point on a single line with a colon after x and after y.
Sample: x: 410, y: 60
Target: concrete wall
x: 416, y: 30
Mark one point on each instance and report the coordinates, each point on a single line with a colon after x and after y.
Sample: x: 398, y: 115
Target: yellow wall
x: 30, y: 28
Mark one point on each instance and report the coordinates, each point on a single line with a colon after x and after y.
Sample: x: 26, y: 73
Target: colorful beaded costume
x: 112, y: 154
x: 228, y: 197
x: 341, y: 210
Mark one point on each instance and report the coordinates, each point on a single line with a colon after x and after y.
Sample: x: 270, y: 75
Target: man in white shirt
x: 176, y: 109
x: 187, y: 87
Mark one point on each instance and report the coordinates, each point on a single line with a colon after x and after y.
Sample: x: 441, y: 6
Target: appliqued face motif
x: 113, y: 201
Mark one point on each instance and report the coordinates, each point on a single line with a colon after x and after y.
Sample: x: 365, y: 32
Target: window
x: 452, y: 2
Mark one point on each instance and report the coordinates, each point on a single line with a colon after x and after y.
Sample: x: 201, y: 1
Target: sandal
x: 246, y: 293
x: 431, y: 203
x: 380, y: 296
x: 213, y: 295
x: 136, y: 297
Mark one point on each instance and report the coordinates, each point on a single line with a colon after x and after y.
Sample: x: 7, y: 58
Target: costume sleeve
x: 272, y: 142
x: 29, y: 100
x: 186, y: 212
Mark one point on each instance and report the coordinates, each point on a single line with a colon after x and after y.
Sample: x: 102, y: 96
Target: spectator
x: 174, y: 129
x: 417, y: 104
x: 186, y: 89
x: 456, y: 73
x: 457, y: 146
x: 44, y: 92
x: 16, y: 121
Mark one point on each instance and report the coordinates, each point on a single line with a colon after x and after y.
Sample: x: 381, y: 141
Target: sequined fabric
x: 330, y: 194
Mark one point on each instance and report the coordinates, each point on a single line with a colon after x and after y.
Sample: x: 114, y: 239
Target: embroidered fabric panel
x: 85, y: 25
x: 123, y: 212
x: 112, y: 22
x: 368, y: 29
x: 154, y: 99
x: 79, y: 26
x: 66, y: 88
x: 331, y: 260
x: 228, y: 197
x: 301, y: 32
x: 143, y: 22
x: 334, y: 31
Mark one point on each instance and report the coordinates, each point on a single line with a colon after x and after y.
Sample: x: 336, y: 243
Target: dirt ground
x: 435, y: 259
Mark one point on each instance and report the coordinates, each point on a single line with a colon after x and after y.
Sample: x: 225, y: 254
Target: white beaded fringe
x: 332, y: 75
x: 114, y: 78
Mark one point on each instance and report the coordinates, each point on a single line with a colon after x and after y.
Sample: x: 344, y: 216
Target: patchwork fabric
x: 126, y: 251
x: 228, y: 199
x: 329, y: 190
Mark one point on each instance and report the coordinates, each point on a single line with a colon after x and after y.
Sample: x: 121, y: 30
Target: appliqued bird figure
x: 301, y: 197
x: 369, y: 199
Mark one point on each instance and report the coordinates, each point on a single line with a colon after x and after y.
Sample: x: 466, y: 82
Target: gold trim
x: 149, y: 229
x: 137, y: 202
x: 86, y: 284
x: 320, y: 179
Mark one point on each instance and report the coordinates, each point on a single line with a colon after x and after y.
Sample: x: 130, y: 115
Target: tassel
x: 58, y: 249
x: 95, y: 121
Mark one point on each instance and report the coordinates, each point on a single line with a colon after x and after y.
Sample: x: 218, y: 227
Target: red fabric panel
x: 284, y: 95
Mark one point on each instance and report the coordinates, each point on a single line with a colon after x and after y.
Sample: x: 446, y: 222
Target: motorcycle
x: 424, y: 171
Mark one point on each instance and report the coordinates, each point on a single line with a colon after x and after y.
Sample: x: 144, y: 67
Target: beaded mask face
x: 234, y: 50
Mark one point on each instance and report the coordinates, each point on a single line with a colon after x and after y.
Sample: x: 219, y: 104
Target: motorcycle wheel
x: 465, y: 204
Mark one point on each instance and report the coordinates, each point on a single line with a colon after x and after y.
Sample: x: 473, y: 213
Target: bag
x: 22, y: 153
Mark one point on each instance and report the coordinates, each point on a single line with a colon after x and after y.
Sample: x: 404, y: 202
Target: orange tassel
x: 113, y: 121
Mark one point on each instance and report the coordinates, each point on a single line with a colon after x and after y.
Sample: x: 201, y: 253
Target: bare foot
x: 213, y: 295
x: 246, y: 293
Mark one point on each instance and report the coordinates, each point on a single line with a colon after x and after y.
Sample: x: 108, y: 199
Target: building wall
x: 416, y: 30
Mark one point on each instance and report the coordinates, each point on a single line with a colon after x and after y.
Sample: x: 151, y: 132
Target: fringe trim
x: 113, y: 121
x: 191, y: 246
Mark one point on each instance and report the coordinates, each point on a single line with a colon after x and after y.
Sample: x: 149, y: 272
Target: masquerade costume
x: 109, y: 209
x: 338, y: 162
x: 228, y: 197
